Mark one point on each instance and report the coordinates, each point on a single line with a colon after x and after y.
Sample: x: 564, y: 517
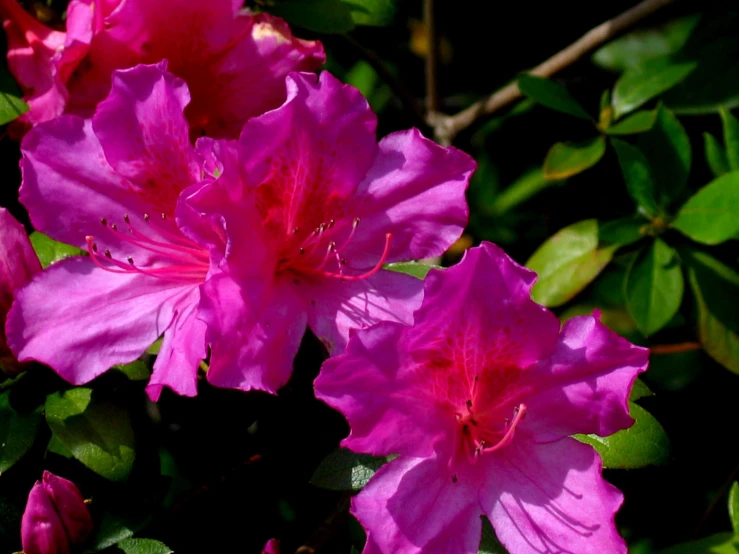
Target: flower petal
x: 18, y: 261
x: 551, y: 498
x: 409, y: 507
x: 70, y: 506
x: 81, y: 320
x: 42, y: 531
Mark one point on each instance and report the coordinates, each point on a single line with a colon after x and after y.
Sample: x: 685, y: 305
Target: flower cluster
x: 227, y: 200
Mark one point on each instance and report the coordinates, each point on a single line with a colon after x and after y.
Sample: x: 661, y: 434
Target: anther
x: 114, y: 227
x: 129, y: 259
x: 454, y: 478
x: 107, y: 254
x: 126, y: 219
x: 104, y: 221
x: 332, y: 246
x: 164, y: 216
x: 146, y: 218
x: 343, y: 261
x: 302, y: 250
x: 295, y: 231
x: 94, y: 247
x: 331, y: 223
x: 355, y: 223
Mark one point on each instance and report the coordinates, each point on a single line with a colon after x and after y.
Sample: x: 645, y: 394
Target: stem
x: 674, y: 348
x: 447, y: 127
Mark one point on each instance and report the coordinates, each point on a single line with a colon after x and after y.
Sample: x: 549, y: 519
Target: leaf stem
x: 674, y: 348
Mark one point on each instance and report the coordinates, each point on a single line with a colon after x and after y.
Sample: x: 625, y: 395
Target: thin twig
x: 674, y: 348
x: 447, y: 127
x: 406, y: 98
x: 432, y: 58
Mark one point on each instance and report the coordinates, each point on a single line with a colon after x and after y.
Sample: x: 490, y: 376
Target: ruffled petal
x: 81, y: 320
x: 18, y: 261
x: 411, y: 507
x: 551, y: 498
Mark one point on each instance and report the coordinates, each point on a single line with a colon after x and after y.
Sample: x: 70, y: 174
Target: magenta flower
x: 479, y: 399
x: 18, y: 263
x: 110, y: 185
x: 55, y: 518
x: 272, y: 547
x: 314, y: 208
x: 234, y: 62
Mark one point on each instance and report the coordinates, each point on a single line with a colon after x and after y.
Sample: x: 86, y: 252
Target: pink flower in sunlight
x: 55, y: 517
x: 110, y: 184
x: 479, y: 399
x: 234, y: 62
x: 18, y: 263
x: 313, y: 208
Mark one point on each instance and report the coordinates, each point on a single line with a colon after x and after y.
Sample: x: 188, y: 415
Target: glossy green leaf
x: 378, y: 13
x: 50, y: 251
x: 639, y: 390
x: 489, y: 543
x: 552, y: 95
x: 636, y: 47
x: 526, y: 186
x: 643, y: 444
x: 567, y: 262
x: 98, y: 434
x: 640, y: 84
x: 12, y: 105
x: 55, y: 446
x: 17, y: 432
x: 415, y: 269
x: 638, y: 122
x: 731, y: 138
x: 721, y: 543
x: 637, y: 175
x: 344, y: 470
x: 716, y: 157
x: 623, y: 232
x: 135, y: 371
x: 113, y: 529
x: 140, y: 546
x: 733, y: 503
x: 321, y: 16
x: 654, y: 287
x: 566, y: 159
x: 711, y: 215
x: 716, y: 290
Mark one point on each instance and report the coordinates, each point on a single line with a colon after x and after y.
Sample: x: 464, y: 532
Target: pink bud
x: 55, y: 517
x: 272, y: 547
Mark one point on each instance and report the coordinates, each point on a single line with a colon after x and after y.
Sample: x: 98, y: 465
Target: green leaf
x: 378, y: 13
x: 654, y: 287
x: 721, y: 543
x: 140, y: 546
x: 716, y: 157
x: 623, y: 232
x: 638, y: 122
x: 50, y: 251
x: 552, y: 95
x: 566, y: 159
x: 640, y: 84
x: 113, y: 529
x: 666, y: 147
x: 567, y: 262
x: 17, y: 432
x: 135, y: 371
x: 639, y: 391
x: 731, y: 138
x: 344, y: 470
x: 489, y: 543
x: 734, y: 507
x: 643, y: 444
x: 637, y: 175
x: 716, y: 290
x: 321, y: 16
x: 414, y: 269
x: 526, y: 186
x: 636, y: 47
x: 711, y: 215
x: 56, y: 447
x: 12, y: 105
x: 98, y: 434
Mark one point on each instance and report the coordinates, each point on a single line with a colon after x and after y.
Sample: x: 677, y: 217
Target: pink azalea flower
x: 479, y: 400
x: 18, y: 263
x: 234, y: 62
x: 110, y: 184
x: 272, y: 547
x: 55, y: 518
x: 314, y: 207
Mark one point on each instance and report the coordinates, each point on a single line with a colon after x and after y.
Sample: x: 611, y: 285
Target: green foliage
x: 50, y: 251
x: 636, y: 123
x: 415, y: 269
x: 489, y: 543
x: 715, y: 155
x: 98, y: 434
x: 566, y: 159
x: 731, y: 138
x: 344, y: 470
x: 654, y: 287
x: 711, y: 216
x: 552, y: 95
x: 378, y: 13
x: 139, y: 546
x: 335, y: 16
x: 113, y: 529
x: 17, y: 432
x: 734, y: 507
x: 567, y: 262
x: 623, y: 232
x: 638, y: 177
x: 12, y: 105
x: 721, y: 543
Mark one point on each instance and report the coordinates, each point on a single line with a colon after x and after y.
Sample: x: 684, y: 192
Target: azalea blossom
x: 18, y: 263
x: 314, y: 208
x: 234, y: 62
x: 110, y: 185
x: 55, y: 517
x: 479, y: 399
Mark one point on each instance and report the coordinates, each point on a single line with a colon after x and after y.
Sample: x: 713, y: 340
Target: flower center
x: 487, y: 432
x: 177, y: 258
x: 321, y: 252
